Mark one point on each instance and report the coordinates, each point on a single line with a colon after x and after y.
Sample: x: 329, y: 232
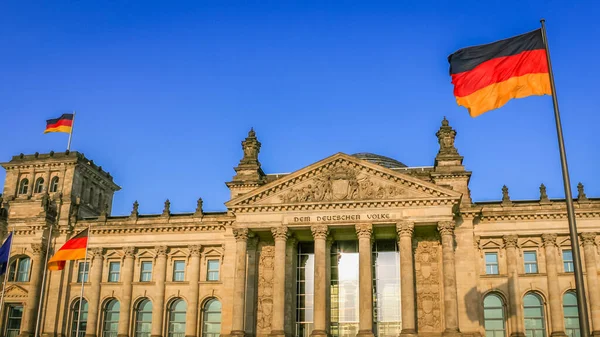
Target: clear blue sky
x: 165, y: 91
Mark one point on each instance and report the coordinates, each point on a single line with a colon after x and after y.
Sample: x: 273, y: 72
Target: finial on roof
x: 167, y: 209
x: 445, y: 122
x: 251, y: 147
x: 199, y: 205
x: 134, y: 211
x: 543, y: 194
x: 581, y: 193
x: 446, y: 136
x: 505, y: 196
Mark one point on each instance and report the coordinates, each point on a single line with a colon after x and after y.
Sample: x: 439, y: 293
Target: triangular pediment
x: 15, y: 291
x: 342, y: 179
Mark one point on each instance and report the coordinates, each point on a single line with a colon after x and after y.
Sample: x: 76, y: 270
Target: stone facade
x: 236, y: 272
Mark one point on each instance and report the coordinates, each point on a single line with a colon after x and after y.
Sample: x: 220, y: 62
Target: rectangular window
x: 568, y: 260
x: 212, y: 273
x: 146, y: 271
x: 114, y: 271
x: 178, y: 271
x: 83, y: 272
x: 530, y: 259
x: 491, y: 263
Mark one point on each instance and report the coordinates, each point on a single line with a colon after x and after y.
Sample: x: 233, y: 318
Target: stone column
x: 365, y: 280
x: 291, y: 258
x: 127, y: 280
x: 328, y: 245
x: 191, y: 318
x: 589, y: 250
x: 514, y: 294
x: 280, y: 234
x: 93, y: 294
x: 158, y: 307
x: 554, y: 295
x: 320, y: 233
x: 35, y: 285
x: 407, y: 280
x: 446, y: 229
x: 239, y: 285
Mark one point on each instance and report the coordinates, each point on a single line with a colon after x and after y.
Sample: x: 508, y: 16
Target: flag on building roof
x: 73, y: 249
x: 63, y: 123
x: 5, y: 254
x: 486, y: 77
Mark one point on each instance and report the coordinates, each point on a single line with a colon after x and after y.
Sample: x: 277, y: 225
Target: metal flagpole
x: 12, y: 237
x: 83, y: 279
x: 41, y: 300
x: 71, y: 133
x: 581, y: 300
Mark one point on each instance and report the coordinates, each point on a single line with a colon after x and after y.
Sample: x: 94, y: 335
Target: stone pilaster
x: 365, y: 280
x: 93, y: 295
x: 35, y: 286
x: 446, y: 229
x: 320, y: 233
x: 127, y: 280
x: 291, y: 258
x: 514, y: 294
x: 589, y: 250
x: 405, y: 231
x: 557, y: 327
x: 191, y: 326
x: 160, y: 275
x: 239, y: 285
x: 280, y: 234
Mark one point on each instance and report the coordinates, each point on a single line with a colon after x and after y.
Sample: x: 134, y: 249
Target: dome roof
x: 379, y: 160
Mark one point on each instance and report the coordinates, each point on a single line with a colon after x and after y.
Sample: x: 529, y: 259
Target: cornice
x: 556, y: 210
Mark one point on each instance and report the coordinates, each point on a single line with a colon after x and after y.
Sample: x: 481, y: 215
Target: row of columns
x: 364, y: 233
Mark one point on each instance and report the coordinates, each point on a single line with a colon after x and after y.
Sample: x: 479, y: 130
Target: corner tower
x: 249, y: 174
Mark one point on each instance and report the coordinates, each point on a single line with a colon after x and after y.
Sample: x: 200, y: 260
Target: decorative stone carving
x: 549, y: 239
x: 265, y: 289
x: 446, y: 136
x: 241, y: 234
x: 505, y: 196
x: 129, y: 251
x: 195, y: 250
x: 446, y: 227
x: 160, y: 250
x: 134, y: 212
x: 199, y: 204
x: 251, y: 147
x: 341, y: 183
x: 405, y: 228
x: 167, y: 209
x: 581, y: 193
x: 588, y: 238
x: 280, y: 233
x: 97, y: 252
x: 364, y: 231
x: 319, y: 231
x: 37, y: 248
x: 428, y: 284
x: 543, y: 194
x: 510, y: 241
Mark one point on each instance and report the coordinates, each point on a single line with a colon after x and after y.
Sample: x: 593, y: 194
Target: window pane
x: 491, y: 258
x: 494, y: 325
x: 529, y: 256
x: 531, y: 300
x: 494, y: 313
x: 213, y: 265
x: 179, y: 265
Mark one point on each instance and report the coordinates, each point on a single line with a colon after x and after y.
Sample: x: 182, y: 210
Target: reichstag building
x: 352, y: 245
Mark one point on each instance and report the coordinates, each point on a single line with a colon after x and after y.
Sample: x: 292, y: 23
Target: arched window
x: 211, y: 319
x: 19, y: 270
x: 39, y: 185
x: 111, y: 318
x: 571, y: 314
x: 535, y: 325
x: 82, y: 321
x: 177, y: 311
x: 493, y: 315
x: 143, y: 318
x: 24, y: 186
x: 54, y: 185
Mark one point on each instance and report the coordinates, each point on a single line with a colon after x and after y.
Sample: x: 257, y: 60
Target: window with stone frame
x: 39, y: 185
x: 24, y: 186
x: 530, y: 261
x: 211, y: 266
x: 54, y: 184
x: 491, y: 263
x: 146, y: 271
x: 178, y: 270
x: 83, y: 272
x: 212, y: 269
x: 114, y: 271
x: 18, y: 270
x: 567, y: 256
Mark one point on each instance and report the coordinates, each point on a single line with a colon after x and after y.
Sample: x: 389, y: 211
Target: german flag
x: 73, y: 249
x: 486, y: 77
x: 63, y: 123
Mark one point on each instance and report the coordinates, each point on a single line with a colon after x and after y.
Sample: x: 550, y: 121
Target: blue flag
x: 4, y: 254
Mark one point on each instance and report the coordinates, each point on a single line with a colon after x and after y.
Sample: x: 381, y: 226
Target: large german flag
x: 73, y: 249
x: 63, y: 123
x: 486, y: 77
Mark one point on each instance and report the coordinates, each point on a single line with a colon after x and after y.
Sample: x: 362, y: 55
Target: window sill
x: 177, y: 282
x: 111, y: 283
x: 493, y: 275
x: 149, y: 283
x: 210, y: 282
x: 532, y: 274
x: 79, y: 283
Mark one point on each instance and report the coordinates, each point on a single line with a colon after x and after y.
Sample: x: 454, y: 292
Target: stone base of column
x: 237, y: 333
x: 408, y: 333
x: 558, y: 334
x: 365, y: 333
x: 278, y: 333
x: 517, y: 334
x: 319, y: 333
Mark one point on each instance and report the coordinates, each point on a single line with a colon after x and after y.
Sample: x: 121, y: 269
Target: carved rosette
x: 129, y: 251
x: 319, y: 231
x: 195, y: 250
x: 510, y: 241
x: 280, y: 233
x: 37, y: 248
x: 446, y: 227
x: 549, y: 240
x: 160, y: 250
x: 364, y: 231
x: 588, y: 238
x: 405, y: 228
x: 241, y: 234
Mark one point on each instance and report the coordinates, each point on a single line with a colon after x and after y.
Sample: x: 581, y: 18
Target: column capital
x: 241, y: 234
x: 160, y: 250
x: 405, y: 228
x: 195, y: 250
x: 280, y: 233
x: 510, y: 241
x: 446, y: 227
x: 364, y: 230
x: 319, y: 231
x: 549, y: 239
x: 588, y: 238
x: 97, y: 252
x: 38, y: 248
x: 129, y: 251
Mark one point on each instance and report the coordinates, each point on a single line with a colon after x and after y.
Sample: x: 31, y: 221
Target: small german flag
x: 486, y: 77
x: 63, y: 123
x: 73, y: 249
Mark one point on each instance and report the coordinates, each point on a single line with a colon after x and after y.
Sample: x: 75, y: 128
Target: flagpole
x: 71, y: 133
x: 12, y: 236
x: 581, y: 300
x: 87, y: 243
x: 41, y: 300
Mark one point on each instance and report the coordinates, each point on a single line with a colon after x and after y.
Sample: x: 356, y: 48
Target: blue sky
x: 165, y: 91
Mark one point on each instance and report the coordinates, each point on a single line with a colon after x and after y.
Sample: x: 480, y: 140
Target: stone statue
x: 505, y: 196
x: 251, y: 147
x: 446, y: 136
x: 199, y: 206
x: 134, y: 211
x: 543, y: 194
x: 167, y: 209
x: 581, y: 193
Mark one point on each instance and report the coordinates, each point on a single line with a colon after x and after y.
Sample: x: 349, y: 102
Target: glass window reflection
x: 305, y: 289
